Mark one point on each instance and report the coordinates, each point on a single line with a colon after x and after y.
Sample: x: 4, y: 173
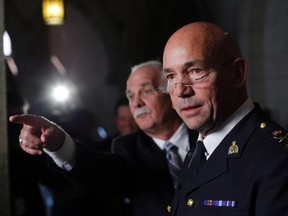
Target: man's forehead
x: 188, y: 63
x: 140, y: 85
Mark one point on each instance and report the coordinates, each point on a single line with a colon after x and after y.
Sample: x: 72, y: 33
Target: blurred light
x: 47, y: 195
x: 53, y: 12
x: 12, y: 65
x: 60, y: 93
x: 102, y: 132
x: 58, y: 65
x: 7, y: 45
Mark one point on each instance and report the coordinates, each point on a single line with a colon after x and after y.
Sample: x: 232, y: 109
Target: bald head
x: 211, y: 42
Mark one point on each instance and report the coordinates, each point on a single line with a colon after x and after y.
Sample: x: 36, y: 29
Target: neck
x: 166, y: 131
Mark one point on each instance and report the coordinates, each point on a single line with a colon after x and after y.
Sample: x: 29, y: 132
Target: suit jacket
x: 106, y: 144
x: 136, y: 169
x: 248, y: 169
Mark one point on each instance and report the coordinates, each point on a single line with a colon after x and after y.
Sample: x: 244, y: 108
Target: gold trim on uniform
x: 263, y: 125
x: 190, y: 203
x: 277, y: 133
x: 169, y: 208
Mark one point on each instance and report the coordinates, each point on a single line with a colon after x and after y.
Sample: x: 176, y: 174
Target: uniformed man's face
x: 199, y: 87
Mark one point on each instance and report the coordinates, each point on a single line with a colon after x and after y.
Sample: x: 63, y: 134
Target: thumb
x: 53, y: 138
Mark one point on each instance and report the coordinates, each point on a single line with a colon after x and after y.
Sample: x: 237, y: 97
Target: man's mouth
x: 190, y: 110
x: 142, y: 115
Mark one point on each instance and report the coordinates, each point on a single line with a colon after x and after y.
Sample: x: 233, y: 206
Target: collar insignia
x: 233, y: 149
x: 281, y: 137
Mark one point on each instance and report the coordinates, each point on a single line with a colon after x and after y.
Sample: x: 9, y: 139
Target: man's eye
x: 147, y: 91
x: 130, y: 97
x: 197, y: 70
x: 170, y: 76
x: 197, y: 73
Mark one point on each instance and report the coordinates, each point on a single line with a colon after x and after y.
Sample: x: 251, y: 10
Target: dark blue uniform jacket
x: 246, y: 175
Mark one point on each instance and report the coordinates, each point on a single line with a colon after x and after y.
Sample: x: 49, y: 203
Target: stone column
x: 4, y: 178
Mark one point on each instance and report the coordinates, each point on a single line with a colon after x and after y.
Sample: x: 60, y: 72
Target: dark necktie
x: 174, y: 161
x: 200, y: 157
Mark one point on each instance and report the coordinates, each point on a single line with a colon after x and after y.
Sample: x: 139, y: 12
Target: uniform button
x: 263, y: 125
x: 169, y: 209
x: 190, y: 203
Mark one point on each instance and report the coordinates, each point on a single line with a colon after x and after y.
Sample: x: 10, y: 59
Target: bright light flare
x: 60, y: 93
x: 7, y: 45
x: 53, y: 12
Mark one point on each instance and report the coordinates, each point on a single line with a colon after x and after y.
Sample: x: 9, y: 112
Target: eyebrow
x: 186, y: 65
x: 142, y: 85
x: 145, y: 84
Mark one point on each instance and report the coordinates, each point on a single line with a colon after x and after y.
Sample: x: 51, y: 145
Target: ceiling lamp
x: 53, y: 12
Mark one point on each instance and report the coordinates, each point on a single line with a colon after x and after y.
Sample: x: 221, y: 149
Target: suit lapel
x: 214, y: 167
x: 154, y: 162
x: 217, y: 164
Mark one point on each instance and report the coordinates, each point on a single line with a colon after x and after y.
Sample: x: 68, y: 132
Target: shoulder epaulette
x: 281, y: 137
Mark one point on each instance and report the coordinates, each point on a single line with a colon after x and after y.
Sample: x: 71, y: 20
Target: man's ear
x: 240, y: 72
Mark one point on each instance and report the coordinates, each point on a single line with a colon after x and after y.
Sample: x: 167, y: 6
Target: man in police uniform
x: 245, y: 159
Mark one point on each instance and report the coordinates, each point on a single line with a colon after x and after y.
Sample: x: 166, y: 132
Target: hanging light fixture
x: 53, y: 12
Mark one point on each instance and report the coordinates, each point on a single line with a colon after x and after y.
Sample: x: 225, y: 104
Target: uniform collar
x: 213, y: 140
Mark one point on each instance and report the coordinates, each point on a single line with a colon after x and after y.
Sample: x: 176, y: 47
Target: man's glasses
x: 195, y: 76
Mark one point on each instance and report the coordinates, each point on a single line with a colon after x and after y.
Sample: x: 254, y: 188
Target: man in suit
x: 245, y: 159
x: 137, y: 168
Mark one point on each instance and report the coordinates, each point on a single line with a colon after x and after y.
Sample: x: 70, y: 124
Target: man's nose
x: 183, y: 89
x: 137, y: 101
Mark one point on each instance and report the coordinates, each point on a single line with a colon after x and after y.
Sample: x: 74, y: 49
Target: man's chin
x: 193, y: 123
x: 145, y: 126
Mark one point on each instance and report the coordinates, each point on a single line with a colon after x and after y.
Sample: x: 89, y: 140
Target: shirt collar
x: 180, y: 138
x: 176, y: 138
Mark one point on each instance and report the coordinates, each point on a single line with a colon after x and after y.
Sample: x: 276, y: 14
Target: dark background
x: 101, y: 39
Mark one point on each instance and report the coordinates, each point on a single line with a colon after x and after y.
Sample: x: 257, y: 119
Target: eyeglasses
x: 195, y: 75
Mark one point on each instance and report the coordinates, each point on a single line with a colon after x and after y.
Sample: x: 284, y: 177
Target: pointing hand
x: 38, y: 133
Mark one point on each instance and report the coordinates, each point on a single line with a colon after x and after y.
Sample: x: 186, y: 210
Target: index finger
x: 28, y: 119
